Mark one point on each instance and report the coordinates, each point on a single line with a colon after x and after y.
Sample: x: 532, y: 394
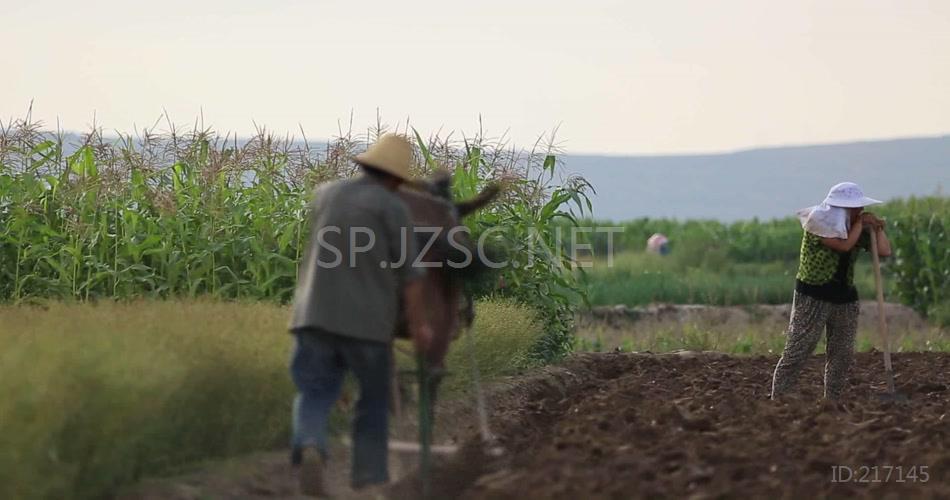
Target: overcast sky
x: 617, y: 76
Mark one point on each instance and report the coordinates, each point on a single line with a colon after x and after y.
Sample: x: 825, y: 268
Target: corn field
x: 167, y: 214
x: 190, y: 214
x: 186, y: 214
x: 921, y: 265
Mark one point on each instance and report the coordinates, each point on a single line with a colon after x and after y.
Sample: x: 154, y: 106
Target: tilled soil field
x: 697, y: 425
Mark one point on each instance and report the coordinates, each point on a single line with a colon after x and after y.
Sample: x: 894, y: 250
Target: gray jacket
x: 350, y: 280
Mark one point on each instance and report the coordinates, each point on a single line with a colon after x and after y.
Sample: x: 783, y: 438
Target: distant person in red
x: 825, y: 297
x: 357, y: 268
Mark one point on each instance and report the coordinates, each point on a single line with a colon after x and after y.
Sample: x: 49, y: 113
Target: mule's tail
x: 480, y: 200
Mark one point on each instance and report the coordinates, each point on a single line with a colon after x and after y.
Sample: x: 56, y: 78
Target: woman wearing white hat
x: 825, y: 296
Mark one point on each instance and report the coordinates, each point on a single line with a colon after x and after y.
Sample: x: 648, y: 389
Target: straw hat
x: 390, y: 153
x: 848, y: 195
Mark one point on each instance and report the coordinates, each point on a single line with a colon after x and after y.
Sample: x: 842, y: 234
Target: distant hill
x: 764, y: 183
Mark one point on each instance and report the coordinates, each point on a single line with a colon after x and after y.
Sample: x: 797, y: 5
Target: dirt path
x: 685, y: 425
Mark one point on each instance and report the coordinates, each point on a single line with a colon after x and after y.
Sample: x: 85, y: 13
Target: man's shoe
x: 310, y: 469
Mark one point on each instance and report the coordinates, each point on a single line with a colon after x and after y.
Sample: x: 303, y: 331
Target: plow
x: 451, y: 313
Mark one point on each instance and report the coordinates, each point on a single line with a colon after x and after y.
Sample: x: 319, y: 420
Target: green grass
x: 744, y: 262
x: 95, y: 396
x: 639, y: 278
x: 751, y: 339
x: 743, y: 330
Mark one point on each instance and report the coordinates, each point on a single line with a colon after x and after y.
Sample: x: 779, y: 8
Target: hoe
x: 891, y: 394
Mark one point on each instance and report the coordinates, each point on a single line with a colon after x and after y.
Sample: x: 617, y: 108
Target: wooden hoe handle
x: 882, y: 322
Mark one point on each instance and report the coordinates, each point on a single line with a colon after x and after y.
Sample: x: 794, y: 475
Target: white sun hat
x: 848, y: 195
x: 830, y: 219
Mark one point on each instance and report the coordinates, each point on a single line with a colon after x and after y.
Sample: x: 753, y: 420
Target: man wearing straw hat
x: 358, y: 264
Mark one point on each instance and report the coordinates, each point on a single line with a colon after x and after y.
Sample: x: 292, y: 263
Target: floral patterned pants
x: 809, y: 317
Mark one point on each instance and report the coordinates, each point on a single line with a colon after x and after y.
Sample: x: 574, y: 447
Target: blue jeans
x: 317, y: 367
